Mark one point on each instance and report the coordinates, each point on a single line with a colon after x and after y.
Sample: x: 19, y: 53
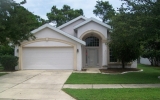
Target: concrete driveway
x: 34, y: 84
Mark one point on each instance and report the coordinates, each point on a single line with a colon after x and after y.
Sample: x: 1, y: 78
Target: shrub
x: 6, y: 50
x: 9, y: 62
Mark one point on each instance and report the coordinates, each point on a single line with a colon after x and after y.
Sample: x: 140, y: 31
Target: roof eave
x: 92, y: 19
x: 70, y: 22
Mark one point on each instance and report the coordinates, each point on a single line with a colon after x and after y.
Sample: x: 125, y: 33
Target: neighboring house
x: 145, y: 61
x: 79, y: 43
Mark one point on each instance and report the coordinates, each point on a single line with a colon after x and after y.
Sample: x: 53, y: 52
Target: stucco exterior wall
x: 132, y: 65
x: 48, y: 33
x: 104, y: 54
x: 16, y: 51
x: 79, y: 57
x: 69, y: 29
x: 92, y: 26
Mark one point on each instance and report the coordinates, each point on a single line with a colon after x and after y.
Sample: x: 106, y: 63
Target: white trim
x: 70, y: 22
x: 59, y: 31
x: 94, y: 20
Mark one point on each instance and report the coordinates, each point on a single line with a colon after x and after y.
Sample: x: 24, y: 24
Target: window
x: 92, y: 41
x: 112, y: 58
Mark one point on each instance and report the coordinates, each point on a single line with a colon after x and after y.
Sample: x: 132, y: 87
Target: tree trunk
x: 156, y: 63
x: 151, y: 61
x: 123, y: 64
x: 152, y: 64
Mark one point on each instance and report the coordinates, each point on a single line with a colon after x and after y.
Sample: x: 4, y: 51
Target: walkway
x: 102, y: 86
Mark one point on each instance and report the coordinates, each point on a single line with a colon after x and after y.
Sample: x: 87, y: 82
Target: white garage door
x: 47, y: 58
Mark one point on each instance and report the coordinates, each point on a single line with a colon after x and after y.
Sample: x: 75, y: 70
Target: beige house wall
x: 92, y: 26
x: 69, y: 29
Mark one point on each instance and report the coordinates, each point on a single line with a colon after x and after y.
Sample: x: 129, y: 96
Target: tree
x: 61, y: 16
x: 16, y: 23
x: 136, y: 27
x: 6, y: 50
x: 40, y: 20
x: 151, y: 50
x: 147, y: 16
x: 104, y: 11
x: 123, y: 43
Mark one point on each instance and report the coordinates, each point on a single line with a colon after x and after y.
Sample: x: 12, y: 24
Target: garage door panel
x: 47, y: 58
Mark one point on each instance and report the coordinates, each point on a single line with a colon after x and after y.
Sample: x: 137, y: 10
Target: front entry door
x: 92, y: 57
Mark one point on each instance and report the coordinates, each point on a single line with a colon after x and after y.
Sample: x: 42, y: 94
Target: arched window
x: 92, y: 41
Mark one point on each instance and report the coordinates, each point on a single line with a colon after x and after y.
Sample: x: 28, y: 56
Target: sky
x: 42, y: 7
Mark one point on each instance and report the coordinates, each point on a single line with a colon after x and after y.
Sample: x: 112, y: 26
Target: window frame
x: 92, y: 41
x: 113, y: 58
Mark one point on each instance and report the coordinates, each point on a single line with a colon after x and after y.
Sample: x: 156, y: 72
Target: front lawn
x: 115, y: 94
x: 148, y: 76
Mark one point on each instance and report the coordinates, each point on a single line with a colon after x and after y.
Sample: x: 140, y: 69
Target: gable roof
x: 59, y: 31
x: 94, y: 20
x: 70, y: 22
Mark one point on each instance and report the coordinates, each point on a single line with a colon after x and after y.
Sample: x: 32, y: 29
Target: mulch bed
x: 7, y: 71
x: 84, y: 70
x: 118, y: 70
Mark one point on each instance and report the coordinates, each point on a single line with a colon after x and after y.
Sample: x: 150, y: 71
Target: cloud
x: 42, y: 7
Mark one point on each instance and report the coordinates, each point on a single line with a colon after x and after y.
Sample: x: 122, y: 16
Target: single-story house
x: 79, y: 43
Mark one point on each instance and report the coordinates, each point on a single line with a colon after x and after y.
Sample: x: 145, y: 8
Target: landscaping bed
x: 2, y: 70
x: 119, y: 70
x: 84, y: 70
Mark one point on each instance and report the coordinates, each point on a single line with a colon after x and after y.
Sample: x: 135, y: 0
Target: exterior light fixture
x: 17, y: 50
x: 77, y: 50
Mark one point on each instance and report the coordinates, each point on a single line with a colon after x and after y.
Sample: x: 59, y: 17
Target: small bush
x: 6, y: 50
x: 9, y: 62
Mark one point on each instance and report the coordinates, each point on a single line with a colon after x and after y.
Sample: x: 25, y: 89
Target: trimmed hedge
x: 9, y: 62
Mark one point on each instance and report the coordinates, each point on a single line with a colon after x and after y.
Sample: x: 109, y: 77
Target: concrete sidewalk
x: 103, y: 86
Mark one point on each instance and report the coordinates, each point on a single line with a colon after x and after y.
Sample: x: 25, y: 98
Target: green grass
x: 115, y: 94
x: 2, y: 74
x: 149, y: 75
